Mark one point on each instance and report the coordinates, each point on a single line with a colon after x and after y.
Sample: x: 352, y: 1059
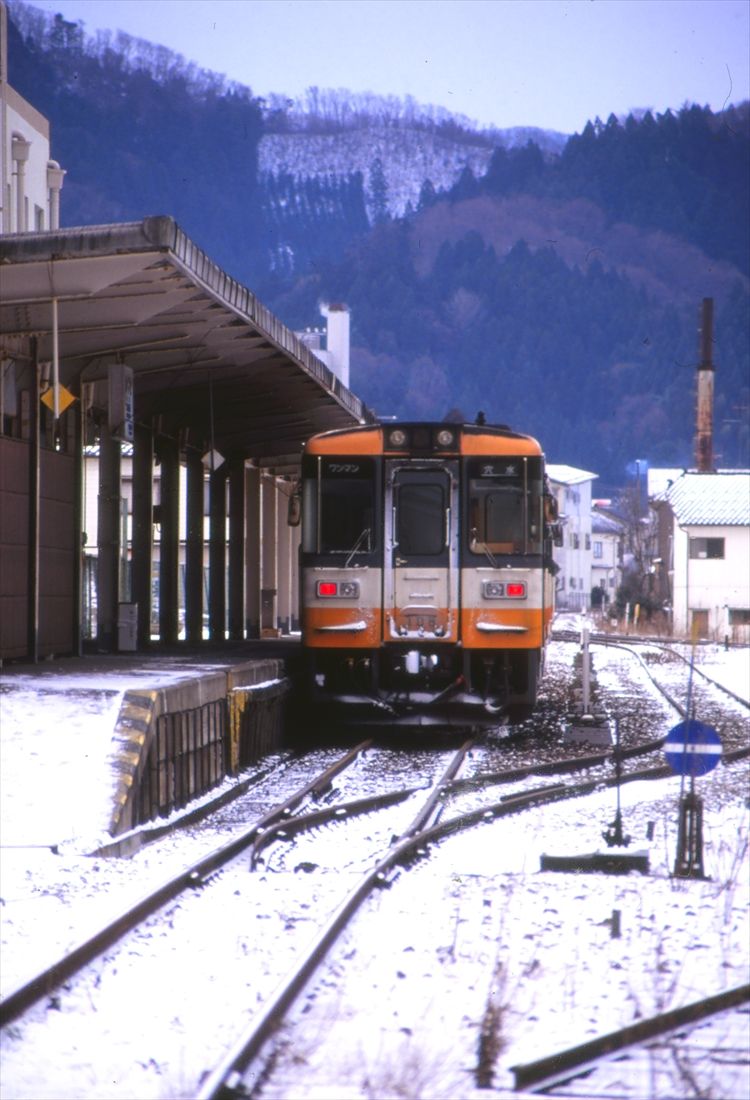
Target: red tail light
x: 515, y: 590
x: 342, y: 590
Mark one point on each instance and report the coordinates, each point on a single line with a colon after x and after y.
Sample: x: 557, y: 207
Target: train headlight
x: 341, y: 590
x: 493, y: 590
x: 397, y: 438
x: 446, y: 438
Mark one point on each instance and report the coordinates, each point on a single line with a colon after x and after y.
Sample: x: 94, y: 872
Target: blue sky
x: 549, y: 63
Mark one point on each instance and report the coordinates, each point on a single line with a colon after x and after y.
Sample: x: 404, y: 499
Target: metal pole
x: 32, y: 557
x: 55, y: 364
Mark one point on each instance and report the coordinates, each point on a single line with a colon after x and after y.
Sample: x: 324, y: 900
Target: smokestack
x: 337, y: 339
x: 704, y: 442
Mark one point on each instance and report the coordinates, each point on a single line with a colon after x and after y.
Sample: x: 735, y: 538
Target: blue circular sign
x: 692, y: 748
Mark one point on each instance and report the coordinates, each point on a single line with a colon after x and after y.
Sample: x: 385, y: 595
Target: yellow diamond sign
x: 64, y: 398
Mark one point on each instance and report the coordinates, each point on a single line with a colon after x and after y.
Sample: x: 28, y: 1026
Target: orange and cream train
x: 426, y: 572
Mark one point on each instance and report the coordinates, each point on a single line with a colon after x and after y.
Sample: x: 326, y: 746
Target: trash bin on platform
x: 127, y: 627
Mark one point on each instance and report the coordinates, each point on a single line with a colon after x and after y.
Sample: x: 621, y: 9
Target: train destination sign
x: 692, y: 748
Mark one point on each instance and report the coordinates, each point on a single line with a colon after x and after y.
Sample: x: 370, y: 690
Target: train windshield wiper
x: 358, y: 545
x: 484, y: 547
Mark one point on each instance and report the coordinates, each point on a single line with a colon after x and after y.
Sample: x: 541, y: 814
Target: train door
x: 421, y: 568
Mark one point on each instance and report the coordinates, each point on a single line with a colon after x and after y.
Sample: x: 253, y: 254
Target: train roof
x: 471, y: 439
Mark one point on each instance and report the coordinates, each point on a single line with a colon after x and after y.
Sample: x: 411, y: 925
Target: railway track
x: 245, y: 1072
x: 689, y: 1042
x: 325, y: 832
x: 193, y: 876
x: 645, y: 651
x: 33, y: 1004
x: 238, y: 1075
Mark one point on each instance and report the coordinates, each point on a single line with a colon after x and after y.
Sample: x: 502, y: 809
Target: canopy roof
x: 206, y: 354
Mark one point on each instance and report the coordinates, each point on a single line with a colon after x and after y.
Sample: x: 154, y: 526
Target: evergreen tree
x: 378, y: 193
x: 427, y: 195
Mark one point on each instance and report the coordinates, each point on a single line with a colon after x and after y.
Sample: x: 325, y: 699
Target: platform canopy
x: 207, y: 356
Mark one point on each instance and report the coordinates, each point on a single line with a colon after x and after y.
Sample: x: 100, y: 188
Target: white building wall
x: 713, y: 585
x: 574, y: 557
x: 29, y: 181
x: 605, y: 569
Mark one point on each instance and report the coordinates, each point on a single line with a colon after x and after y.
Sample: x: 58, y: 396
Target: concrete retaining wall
x: 251, y: 699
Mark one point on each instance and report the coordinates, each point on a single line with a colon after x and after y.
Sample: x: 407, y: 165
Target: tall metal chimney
x: 704, y: 437
x: 337, y: 339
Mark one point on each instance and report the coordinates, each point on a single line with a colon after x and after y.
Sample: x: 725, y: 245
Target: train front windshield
x: 339, y: 505
x: 505, y: 506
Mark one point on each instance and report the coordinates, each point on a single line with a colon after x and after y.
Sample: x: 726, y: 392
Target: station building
x: 142, y: 382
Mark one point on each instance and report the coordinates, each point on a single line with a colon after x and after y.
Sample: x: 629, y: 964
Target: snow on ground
x: 539, y: 945
x: 729, y: 668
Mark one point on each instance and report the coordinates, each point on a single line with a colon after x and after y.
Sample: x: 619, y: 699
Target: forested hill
x: 557, y: 301
x: 553, y: 284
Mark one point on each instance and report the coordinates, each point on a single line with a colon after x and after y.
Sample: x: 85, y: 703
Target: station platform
x: 146, y: 733
x: 152, y: 664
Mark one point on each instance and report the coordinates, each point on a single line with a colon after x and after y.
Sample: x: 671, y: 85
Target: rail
x: 545, y: 1072
x: 40, y: 985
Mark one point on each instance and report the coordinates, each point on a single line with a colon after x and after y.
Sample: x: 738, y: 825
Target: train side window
x: 504, y: 520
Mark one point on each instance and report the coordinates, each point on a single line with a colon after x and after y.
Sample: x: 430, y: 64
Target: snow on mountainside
x: 409, y: 155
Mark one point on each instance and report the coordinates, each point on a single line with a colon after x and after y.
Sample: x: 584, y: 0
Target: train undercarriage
x: 436, y: 686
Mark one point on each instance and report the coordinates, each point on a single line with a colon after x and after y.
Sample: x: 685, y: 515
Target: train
x: 426, y: 573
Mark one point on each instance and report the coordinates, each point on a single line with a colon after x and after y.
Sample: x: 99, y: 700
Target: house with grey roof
x: 704, y: 522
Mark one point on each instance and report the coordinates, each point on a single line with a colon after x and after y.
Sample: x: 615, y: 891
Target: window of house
x: 711, y: 549
x: 739, y: 616
x: 598, y: 549
x: 588, y: 542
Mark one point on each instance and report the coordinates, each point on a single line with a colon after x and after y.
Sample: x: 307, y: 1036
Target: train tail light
x: 342, y: 590
x: 515, y: 590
